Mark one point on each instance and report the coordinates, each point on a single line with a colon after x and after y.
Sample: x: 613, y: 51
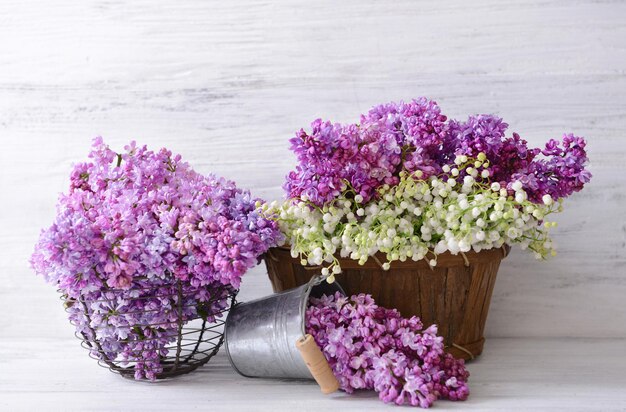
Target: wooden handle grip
x: 317, y: 364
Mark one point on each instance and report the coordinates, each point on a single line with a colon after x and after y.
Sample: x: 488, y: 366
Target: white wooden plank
x: 513, y: 375
x: 227, y: 85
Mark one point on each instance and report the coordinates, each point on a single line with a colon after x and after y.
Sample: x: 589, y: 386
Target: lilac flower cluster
x: 370, y: 347
x: 561, y: 173
x: 486, y: 134
x: 416, y: 136
x: 135, y: 227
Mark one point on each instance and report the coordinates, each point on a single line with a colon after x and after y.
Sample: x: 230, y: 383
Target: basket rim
x: 446, y: 259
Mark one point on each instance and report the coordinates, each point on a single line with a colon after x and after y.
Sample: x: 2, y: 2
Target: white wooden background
x: 226, y: 83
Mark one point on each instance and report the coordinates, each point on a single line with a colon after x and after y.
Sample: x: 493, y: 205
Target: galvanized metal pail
x: 261, y: 334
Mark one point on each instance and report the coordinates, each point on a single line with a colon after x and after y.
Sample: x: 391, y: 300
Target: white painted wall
x: 226, y: 84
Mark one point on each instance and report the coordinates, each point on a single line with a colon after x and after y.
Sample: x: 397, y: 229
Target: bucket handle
x: 314, y: 281
x: 311, y: 353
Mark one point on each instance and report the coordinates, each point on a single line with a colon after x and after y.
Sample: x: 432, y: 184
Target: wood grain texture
x: 512, y: 375
x: 457, y: 303
x: 227, y: 83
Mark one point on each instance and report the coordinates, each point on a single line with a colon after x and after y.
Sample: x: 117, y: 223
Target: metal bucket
x: 261, y: 334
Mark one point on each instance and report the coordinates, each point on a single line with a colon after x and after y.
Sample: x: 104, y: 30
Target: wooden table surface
x: 226, y: 83
x: 43, y: 367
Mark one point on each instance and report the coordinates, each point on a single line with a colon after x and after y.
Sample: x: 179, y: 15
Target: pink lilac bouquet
x: 370, y: 347
x: 136, y: 231
x: 408, y: 182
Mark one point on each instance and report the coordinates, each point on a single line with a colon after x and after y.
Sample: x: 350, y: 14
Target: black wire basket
x: 187, y: 333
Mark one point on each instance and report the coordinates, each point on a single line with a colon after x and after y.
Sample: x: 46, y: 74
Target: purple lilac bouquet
x: 370, y: 347
x: 138, y: 231
x: 413, y: 136
x: 412, y: 184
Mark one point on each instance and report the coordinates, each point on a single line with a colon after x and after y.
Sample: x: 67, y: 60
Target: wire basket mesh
x: 154, y: 332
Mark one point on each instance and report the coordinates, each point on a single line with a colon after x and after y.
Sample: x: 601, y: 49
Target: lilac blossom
x: 559, y: 173
x: 359, y: 159
x: 486, y: 134
x: 419, y: 129
x: 370, y: 347
x: 132, y: 227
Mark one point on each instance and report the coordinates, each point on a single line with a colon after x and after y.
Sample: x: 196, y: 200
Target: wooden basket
x: 455, y: 294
